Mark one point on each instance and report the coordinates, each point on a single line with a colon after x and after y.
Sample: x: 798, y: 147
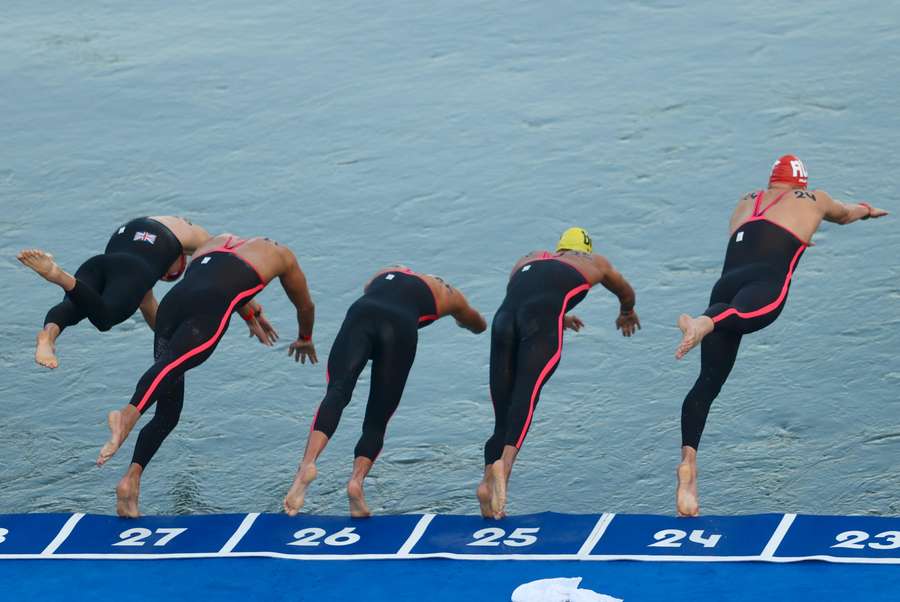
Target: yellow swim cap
x: 575, y: 239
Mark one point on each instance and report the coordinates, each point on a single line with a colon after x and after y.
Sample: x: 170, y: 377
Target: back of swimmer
x: 108, y: 288
x: 526, y: 344
x: 381, y: 326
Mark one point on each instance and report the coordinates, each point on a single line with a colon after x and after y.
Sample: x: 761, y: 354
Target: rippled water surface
x: 455, y: 137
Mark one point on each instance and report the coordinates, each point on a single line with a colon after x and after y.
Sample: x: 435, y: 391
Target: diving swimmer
x: 107, y: 289
x: 770, y: 230
x: 526, y: 344
x: 224, y: 277
x: 382, y: 325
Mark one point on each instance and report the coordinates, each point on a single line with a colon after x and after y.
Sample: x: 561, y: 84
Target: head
x: 789, y: 170
x: 175, y: 270
x: 575, y: 239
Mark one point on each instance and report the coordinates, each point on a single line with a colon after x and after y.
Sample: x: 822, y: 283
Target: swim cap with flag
x: 789, y: 169
x: 575, y: 239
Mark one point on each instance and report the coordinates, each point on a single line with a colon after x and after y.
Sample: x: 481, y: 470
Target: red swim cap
x: 789, y: 169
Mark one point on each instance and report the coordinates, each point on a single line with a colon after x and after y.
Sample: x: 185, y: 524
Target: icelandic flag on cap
x: 145, y: 236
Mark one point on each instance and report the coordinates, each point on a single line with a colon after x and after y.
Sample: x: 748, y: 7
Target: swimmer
x: 526, y: 343
x: 224, y: 277
x: 382, y: 325
x: 770, y: 230
x: 107, y: 289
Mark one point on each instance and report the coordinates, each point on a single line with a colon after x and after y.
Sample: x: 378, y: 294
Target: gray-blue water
x: 455, y: 137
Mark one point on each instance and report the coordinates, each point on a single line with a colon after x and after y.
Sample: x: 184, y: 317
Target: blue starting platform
x: 447, y: 557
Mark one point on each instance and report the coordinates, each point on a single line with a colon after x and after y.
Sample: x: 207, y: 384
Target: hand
x: 628, y: 323
x: 572, y: 323
x: 873, y: 211
x: 262, y: 329
x: 301, y: 349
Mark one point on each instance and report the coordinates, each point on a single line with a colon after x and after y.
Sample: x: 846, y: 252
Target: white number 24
x: 671, y: 538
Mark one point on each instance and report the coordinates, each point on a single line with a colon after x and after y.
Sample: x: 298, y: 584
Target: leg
x: 192, y: 343
x: 538, y: 357
x: 45, y: 350
x: 504, y: 347
x: 349, y: 355
x: 751, y: 307
x: 165, y: 418
x: 125, y: 280
x: 44, y: 265
x: 64, y: 314
x: 392, y: 358
x: 717, y: 355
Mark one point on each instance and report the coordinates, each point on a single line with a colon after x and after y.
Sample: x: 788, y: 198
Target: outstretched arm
x: 293, y: 280
x: 149, y: 306
x: 466, y: 316
x: 846, y: 213
x: 627, y: 321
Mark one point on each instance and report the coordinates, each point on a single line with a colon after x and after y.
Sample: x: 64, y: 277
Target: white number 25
x: 519, y: 538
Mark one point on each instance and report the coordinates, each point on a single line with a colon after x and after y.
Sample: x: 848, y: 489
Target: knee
x: 102, y: 324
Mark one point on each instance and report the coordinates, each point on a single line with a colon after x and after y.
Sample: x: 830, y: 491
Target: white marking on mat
x: 63, y: 534
x: 597, y: 532
x: 416, y: 535
x: 786, y: 521
x: 238, y: 535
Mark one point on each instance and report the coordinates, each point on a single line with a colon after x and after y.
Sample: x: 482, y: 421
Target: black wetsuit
x: 382, y: 325
x: 109, y: 287
x: 750, y: 295
x: 191, y: 320
x: 526, y: 344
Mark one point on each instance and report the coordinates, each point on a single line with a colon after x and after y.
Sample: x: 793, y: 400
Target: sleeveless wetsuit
x: 526, y: 344
x: 750, y: 295
x: 109, y: 287
x: 382, y: 325
x: 191, y: 320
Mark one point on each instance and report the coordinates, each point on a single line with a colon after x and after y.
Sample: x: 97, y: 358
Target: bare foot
x: 484, y: 497
x: 358, y: 507
x: 686, y: 501
x: 42, y: 263
x: 293, y: 501
x: 127, y: 492
x: 498, y: 489
x: 693, y: 329
x: 45, y: 353
x: 117, y: 435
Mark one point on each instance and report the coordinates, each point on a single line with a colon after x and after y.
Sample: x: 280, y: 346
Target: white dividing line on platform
x: 238, y: 535
x: 416, y: 535
x: 786, y: 521
x: 596, y: 533
x: 63, y: 534
x: 451, y: 556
